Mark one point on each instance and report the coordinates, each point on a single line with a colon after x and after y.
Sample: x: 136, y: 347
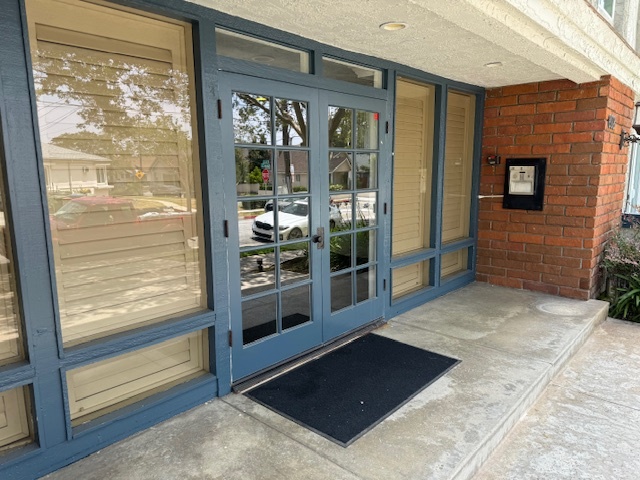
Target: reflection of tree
x: 124, y: 109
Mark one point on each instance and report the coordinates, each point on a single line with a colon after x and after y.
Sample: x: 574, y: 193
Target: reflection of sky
x: 57, y: 116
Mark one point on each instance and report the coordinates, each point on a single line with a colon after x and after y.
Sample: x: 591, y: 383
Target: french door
x: 304, y: 245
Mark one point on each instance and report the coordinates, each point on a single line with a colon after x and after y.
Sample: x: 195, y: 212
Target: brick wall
x: 556, y: 250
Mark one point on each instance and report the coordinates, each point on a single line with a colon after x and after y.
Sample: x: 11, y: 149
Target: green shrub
x: 622, y: 267
x: 627, y: 303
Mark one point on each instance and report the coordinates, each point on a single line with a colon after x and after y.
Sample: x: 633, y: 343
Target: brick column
x: 556, y: 250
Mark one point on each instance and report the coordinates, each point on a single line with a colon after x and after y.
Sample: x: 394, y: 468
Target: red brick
x: 533, y: 139
x: 501, y: 101
x: 526, y: 238
x: 586, y: 148
x: 515, y: 150
x: 524, y: 257
x: 520, y: 89
x: 590, y: 125
x: 525, y: 275
x: 547, y: 149
x: 544, y: 229
x: 545, y: 250
x: 579, y: 93
x: 563, y: 241
x: 591, y: 103
x: 556, y: 85
x: 528, y: 217
x: 514, y: 130
x: 561, y: 281
x: 575, y: 116
x: 543, y: 268
x: 573, y: 137
x: 553, y: 128
x: 533, y: 119
x: 517, y: 110
x: 565, y: 106
x: 562, y: 261
x: 537, y: 97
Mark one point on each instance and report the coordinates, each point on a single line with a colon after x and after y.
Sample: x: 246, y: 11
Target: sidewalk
x: 511, y: 344
x: 587, y: 423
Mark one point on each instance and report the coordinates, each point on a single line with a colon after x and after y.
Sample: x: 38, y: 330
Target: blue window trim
x: 26, y: 206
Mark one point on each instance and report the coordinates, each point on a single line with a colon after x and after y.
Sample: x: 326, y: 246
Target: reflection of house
x: 340, y: 169
x: 68, y: 170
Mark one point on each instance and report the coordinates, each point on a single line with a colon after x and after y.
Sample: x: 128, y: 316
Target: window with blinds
x: 15, y: 427
x: 458, y: 168
x: 412, y: 180
x: 11, y: 341
x: 101, y: 387
x: 115, y: 102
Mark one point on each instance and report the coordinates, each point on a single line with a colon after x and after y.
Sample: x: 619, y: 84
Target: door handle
x: 318, y: 238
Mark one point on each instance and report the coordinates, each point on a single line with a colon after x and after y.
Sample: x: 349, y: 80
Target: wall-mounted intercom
x: 524, y: 183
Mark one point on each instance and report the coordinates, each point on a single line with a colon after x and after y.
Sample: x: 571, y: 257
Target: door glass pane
x: 244, y: 47
x: 293, y: 218
x: 340, y: 212
x: 125, y: 248
x: 365, y: 284
x: 366, y: 209
x: 251, y: 118
x: 340, y: 171
x: 341, y: 292
x: 257, y: 271
x: 409, y: 279
x: 412, y: 167
x: 366, y: 170
x: 365, y: 247
x: 294, y: 263
x: 296, y: 307
x: 293, y: 171
x: 340, y: 127
x: 250, y: 165
x: 458, y: 166
x: 291, y: 122
x: 340, y: 252
x: 352, y: 73
x: 254, y: 217
x: 15, y: 418
x: 259, y: 318
x: 367, y: 130
x: 11, y: 341
x: 108, y: 385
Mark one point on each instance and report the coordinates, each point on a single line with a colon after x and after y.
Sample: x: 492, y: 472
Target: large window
x: 412, y: 184
x: 115, y: 100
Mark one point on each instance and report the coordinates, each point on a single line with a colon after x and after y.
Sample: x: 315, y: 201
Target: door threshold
x: 263, y: 376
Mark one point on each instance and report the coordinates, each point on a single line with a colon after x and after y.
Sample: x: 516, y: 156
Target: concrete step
x: 511, y: 344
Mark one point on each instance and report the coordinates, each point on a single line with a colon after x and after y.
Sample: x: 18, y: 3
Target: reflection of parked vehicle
x: 85, y: 212
x: 293, y: 222
x: 166, y: 189
x: 268, y: 207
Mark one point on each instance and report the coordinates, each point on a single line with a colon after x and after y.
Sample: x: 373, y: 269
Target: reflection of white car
x: 293, y: 222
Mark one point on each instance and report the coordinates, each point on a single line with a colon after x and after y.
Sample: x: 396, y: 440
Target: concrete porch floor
x: 512, y: 344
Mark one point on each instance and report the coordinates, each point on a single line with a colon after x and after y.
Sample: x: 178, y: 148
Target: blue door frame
x: 56, y: 443
x: 325, y: 325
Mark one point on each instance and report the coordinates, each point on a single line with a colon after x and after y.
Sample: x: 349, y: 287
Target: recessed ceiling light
x: 393, y: 26
x: 493, y: 64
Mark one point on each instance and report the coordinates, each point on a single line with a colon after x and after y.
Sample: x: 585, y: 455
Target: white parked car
x: 293, y: 220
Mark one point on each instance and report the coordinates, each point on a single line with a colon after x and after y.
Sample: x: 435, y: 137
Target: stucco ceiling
x: 454, y: 38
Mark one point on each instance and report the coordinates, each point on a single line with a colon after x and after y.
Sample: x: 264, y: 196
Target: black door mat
x: 345, y: 393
